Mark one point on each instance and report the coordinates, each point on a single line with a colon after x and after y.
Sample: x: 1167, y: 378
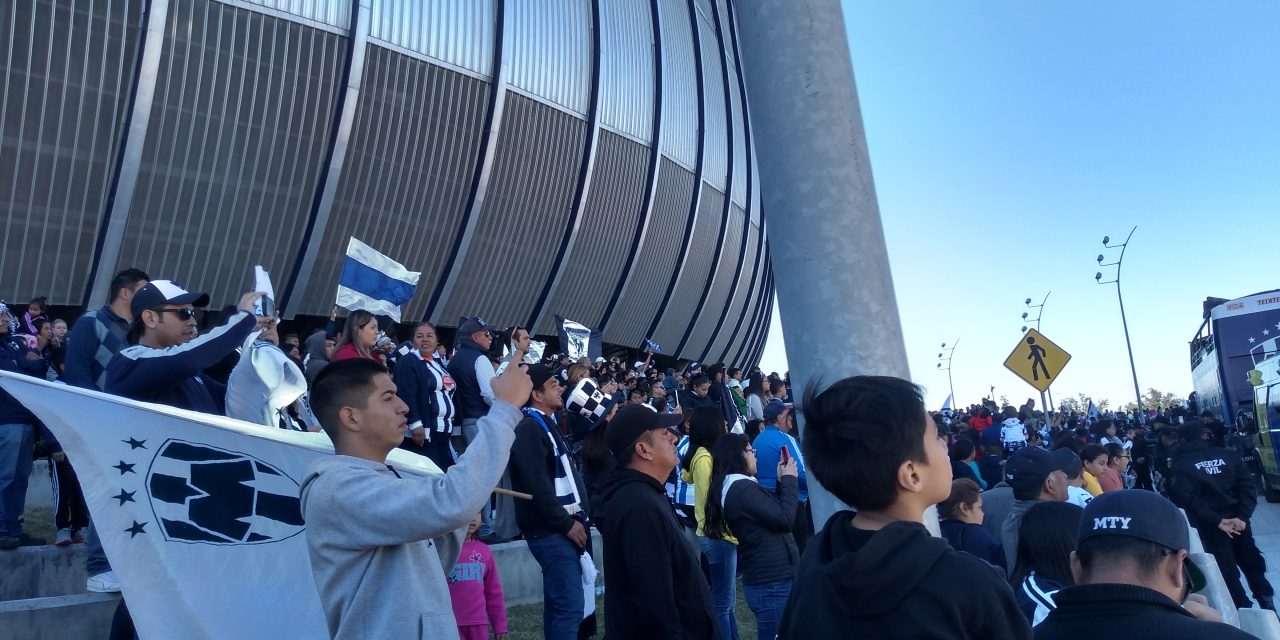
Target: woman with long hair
x: 359, y: 336
x: 1113, y: 476
x: 706, y: 426
x: 761, y: 520
x: 757, y: 397
x: 1046, y: 538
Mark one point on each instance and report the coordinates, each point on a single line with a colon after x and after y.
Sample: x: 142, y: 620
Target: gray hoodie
x: 315, y: 355
x: 381, y: 545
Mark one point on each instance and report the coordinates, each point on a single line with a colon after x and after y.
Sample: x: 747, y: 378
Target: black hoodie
x: 1126, y: 611
x: 654, y: 583
x: 898, y: 582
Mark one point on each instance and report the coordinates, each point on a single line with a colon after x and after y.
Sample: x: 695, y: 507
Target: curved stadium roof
x: 588, y: 158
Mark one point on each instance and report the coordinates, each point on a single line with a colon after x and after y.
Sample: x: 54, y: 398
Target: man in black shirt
x: 655, y: 584
x: 1217, y: 491
x: 1132, y: 572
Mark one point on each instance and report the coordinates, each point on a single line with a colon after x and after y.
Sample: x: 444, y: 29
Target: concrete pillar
x: 835, y: 292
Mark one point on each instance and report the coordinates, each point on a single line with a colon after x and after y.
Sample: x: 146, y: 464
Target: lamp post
x: 1039, y: 314
x: 1106, y: 244
x: 944, y: 357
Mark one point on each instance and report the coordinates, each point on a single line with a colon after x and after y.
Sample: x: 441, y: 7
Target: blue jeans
x: 95, y: 557
x: 562, y: 595
x: 16, y: 443
x: 723, y: 558
x: 767, y: 601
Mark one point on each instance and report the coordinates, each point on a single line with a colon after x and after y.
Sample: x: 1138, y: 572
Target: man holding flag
x: 372, y: 532
x: 166, y: 362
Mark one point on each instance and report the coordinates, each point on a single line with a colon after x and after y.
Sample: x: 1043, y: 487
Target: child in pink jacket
x: 476, y: 591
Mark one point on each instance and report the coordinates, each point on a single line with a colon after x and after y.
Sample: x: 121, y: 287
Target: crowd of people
x: 694, y: 477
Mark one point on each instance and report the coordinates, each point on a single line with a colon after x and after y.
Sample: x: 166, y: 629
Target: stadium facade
x: 588, y: 158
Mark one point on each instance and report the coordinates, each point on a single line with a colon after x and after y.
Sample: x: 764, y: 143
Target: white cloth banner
x: 198, y: 513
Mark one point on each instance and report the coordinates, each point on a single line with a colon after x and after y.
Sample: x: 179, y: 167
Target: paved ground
x: 1266, y: 530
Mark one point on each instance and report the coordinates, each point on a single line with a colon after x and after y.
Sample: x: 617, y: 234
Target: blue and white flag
x: 199, y: 513
x: 652, y: 346
x: 374, y: 282
x: 946, y: 406
x: 1093, y: 411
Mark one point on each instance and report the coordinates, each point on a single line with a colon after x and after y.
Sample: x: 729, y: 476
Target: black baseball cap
x: 1145, y: 515
x: 540, y: 374
x: 162, y: 292
x: 473, y: 325
x: 1026, y: 470
x: 632, y: 421
x: 1066, y: 461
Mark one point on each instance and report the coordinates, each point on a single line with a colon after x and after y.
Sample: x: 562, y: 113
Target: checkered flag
x: 587, y: 401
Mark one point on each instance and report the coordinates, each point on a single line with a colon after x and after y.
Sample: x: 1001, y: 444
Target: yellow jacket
x: 699, y: 475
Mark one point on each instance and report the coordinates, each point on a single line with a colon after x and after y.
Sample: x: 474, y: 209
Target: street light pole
x: 1106, y: 243
x: 950, y: 353
x: 1039, y: 314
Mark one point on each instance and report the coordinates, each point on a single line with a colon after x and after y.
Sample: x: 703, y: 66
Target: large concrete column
x: 835, y: 292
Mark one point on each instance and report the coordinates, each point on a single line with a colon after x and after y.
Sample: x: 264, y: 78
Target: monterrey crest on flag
x: 199, y: 514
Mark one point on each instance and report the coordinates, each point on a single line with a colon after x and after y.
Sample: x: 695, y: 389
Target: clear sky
x: 1008, y: 137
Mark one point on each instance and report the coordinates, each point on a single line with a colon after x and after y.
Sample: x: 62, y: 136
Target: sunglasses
x: 183, y: 314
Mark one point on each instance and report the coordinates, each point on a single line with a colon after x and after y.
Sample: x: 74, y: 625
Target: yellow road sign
x: 1037, y: 360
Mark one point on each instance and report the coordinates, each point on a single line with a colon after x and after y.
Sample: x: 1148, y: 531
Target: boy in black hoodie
x: 878, y: 573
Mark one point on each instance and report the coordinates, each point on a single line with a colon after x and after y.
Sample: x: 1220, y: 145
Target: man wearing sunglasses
x: 166, y: 361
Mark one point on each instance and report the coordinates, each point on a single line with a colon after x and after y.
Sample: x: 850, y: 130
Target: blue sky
x: 1007, y: 138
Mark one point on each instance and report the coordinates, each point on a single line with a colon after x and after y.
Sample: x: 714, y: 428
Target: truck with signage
x: 1233, y: 355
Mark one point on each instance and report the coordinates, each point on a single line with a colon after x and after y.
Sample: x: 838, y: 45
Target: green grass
x: 38, y: 522
x: 525, y: 622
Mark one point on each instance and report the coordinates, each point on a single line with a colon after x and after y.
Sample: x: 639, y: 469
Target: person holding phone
x: 761, y: 520
x: 775, y: 438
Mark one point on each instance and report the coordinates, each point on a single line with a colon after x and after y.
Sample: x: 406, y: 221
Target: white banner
x: 199, y: 514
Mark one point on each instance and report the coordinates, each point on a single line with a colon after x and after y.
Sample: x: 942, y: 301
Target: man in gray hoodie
x: 1035, y: 477
x: 372, y: 532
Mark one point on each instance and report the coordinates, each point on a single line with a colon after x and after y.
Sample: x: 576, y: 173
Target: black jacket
x: 655, y: 584
x: 761, y: 520
x: 1211, y: 483
x: 1126, y: 611
x: 533, y: 469
x: 898, y: 582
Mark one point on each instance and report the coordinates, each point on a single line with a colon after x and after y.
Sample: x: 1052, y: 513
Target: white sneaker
x: 64, y: 537
x: 105, y: 582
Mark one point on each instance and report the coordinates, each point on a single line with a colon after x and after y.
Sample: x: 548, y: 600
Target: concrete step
x: 85, y: 616
x: 40, y: 572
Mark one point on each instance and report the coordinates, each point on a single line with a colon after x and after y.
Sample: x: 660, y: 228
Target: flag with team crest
x: 199, y: 514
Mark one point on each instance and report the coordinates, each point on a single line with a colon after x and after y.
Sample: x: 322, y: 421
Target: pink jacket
x: 475, y: 589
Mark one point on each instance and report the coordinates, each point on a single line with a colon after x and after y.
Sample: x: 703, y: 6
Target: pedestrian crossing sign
x: 1037, y: 360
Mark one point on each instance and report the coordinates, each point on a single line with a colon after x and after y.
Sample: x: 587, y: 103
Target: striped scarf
x: 566, y: 487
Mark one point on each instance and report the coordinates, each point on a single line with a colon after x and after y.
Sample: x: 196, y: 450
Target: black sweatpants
x: 69, y: 509
x: 1242, y: 552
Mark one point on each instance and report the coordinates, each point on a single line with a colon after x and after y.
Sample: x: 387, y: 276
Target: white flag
x: 198, y: 513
